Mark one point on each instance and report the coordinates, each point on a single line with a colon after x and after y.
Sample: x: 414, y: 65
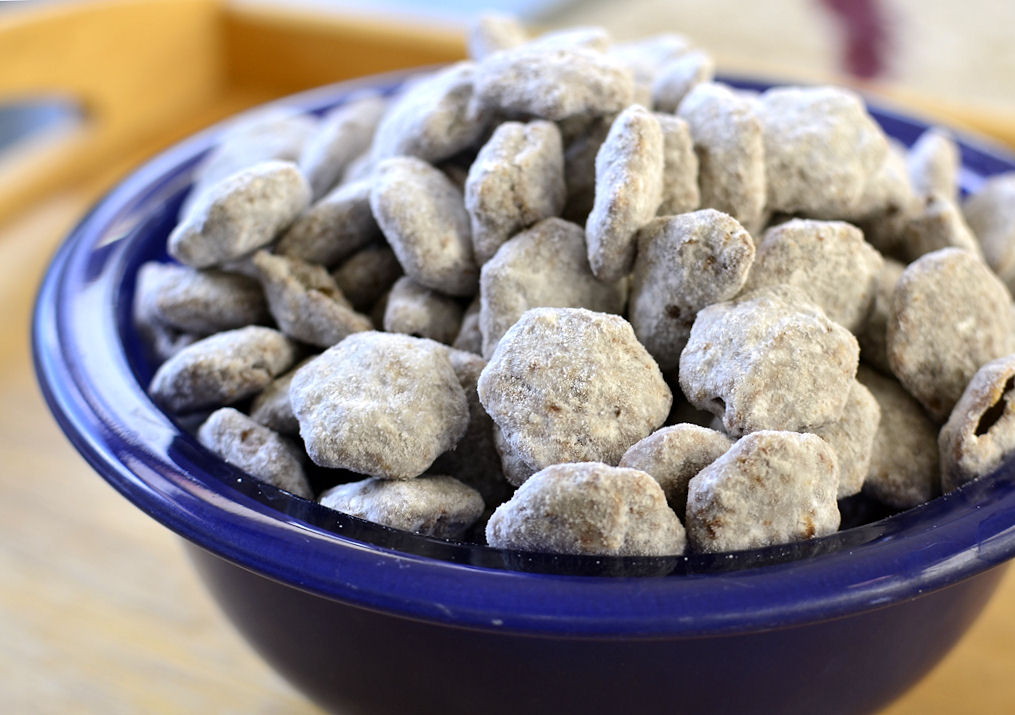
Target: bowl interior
x: 94, y: 368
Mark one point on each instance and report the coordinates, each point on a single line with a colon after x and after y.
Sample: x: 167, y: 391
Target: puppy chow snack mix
x: 433, y: 118
x: 305, y: 301
x: 380, y: 404
x: 200, y: 302
x: 271, y: 406
x: 334, y: 227
x: 579, y: 289
x: 423, y: 313
x: 990, y: 213
x: 432, y: 505
x: 422, y: 215
x: 338, y: 140
x: 828, y: 260
x: 674, y: 455
x: 980, y: 432
x: 680, y: 167
x: 728, y: 140
x: 243, y: 212
x: 570, y: 385
x: 274, y: 133
x: 516, y: 180
x: 768, y: 488
x: 492, y: 32
x: 903, y: 470
x: 254, y: 448
x: 553, y: 82
x: 933, y: 165
x: 821, y: 147
x: 544, y: 266
x: 769, y: 360
x: 367, y: 274
x: 852, y: 438
x: 588, y: 508
x: 935, y: 359
x: 678, y: 77
x: 629, y: 189
x: 222, y: 369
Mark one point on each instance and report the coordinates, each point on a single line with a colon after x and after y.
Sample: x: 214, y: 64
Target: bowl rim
x: 89, y: 386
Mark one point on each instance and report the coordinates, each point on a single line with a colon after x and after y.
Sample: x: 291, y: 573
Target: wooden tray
x: 149, y: 73
x: 98, y: 610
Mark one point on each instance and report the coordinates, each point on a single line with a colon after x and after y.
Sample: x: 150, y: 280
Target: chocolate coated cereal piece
x: 516, y: 470
x: 769, y: 488
x: 380, y: 404
x: 646, y: 56
x: 852, y: 438
x: 937, y: 224
x: 629, y: 185
x: 516, y: 180
x: 240, y: 214
x: 684, y: 263
x: 277, y: 133
x: 421, y: 312
x: 904, y: 459
x: 222, y: 369
x: 990, y: 212
x: 769, y: 360
x: 980, y: 433
x: 950, y: 315
x: 588, y: 508
x: 828, y: 260
x: 306, y: 302
x: 674, y: 455
x: 470, y: 338
x: 431, y: 505
x: 163, y: 340
x: 933, y: 164
x: 873, y: 337
x: 888, y: 193
x: 821, y: 147
x: 365, y: 275
x: 201, y: 302
x: 333, y: 228
x: 680, y: 167
x: 474, y: 460
x: 423, y: 217
x: 571, y: 385
x: 731, y: 153
x: 553, y: 82
x: 678, y: 77
x: 339, y: 139
x: 254, y: 448
x: 542, y: 267
x: 271, y: 406
x: 434, y: 117
x: 492, y: 32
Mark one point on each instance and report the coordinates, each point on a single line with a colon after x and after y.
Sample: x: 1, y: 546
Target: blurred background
x: 99, y: 611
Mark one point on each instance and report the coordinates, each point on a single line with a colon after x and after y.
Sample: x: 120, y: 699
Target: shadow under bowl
x: 366, y: 619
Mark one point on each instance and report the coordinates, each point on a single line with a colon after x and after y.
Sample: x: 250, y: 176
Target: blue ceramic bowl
x: 367, y: 619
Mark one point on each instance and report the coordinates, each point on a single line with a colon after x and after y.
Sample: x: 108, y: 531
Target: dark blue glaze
x: 817, y: 611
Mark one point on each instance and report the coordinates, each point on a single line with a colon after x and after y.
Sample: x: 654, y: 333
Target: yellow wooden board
x: 99, y: 610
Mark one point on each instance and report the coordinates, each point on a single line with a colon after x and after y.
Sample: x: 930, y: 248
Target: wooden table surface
x: 100, y: 611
